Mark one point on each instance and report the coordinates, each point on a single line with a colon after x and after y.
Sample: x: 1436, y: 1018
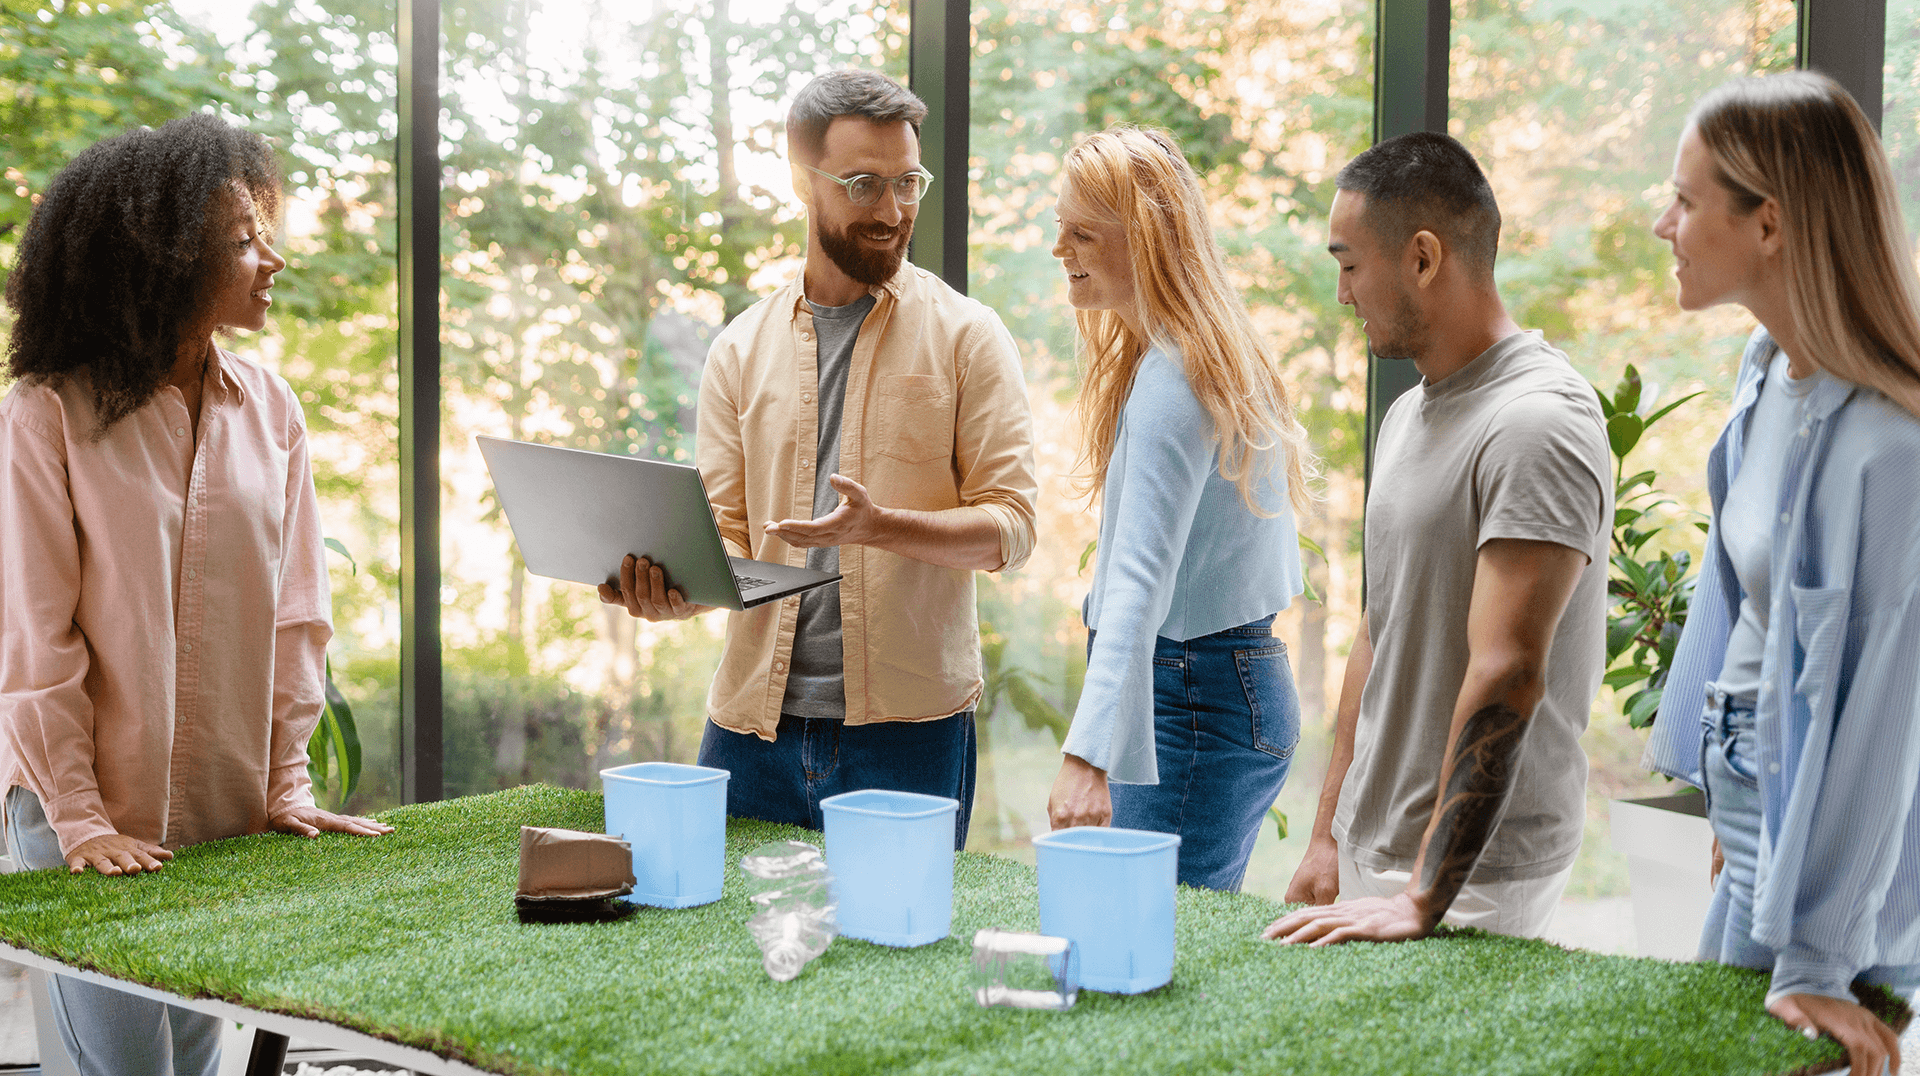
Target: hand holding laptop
x: 643, y: 591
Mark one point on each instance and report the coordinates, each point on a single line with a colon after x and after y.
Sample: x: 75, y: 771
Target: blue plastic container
x: 1111, y: 891
x: 891, y: 854
x: 675, y: 817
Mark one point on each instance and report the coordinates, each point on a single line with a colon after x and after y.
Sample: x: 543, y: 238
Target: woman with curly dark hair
x: 163, y: 591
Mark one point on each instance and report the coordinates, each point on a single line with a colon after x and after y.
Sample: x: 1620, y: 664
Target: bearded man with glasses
x: 870, y: 420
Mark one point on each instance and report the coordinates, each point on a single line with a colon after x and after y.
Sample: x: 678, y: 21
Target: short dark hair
x: 120, y: 257
x: 869, y: 94
x: 1427, y: 181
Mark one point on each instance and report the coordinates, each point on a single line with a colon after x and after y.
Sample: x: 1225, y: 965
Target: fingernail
x: 1810, y: 1032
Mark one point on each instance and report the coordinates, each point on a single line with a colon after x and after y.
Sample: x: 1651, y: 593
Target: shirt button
x: 805, y: 336
x: 1773, y: 767
x: 779, y: 666
x: 179, y: 431
x: 806, y: 397
x: 188, y: 647
x: 1803, y: 431
x: 804, y: 464
x: 189, y: 573
x: 1786, y: 518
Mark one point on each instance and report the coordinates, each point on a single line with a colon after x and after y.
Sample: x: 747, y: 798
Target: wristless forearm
x: 1474, y: 788
x: 964, y: 540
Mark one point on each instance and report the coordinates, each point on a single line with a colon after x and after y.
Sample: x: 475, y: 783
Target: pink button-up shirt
x: 164, y: 611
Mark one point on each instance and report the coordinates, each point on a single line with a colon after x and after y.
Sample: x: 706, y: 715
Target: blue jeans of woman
x: 1729, y: 767
x: 109, y: 1032
x: 1226, y: 719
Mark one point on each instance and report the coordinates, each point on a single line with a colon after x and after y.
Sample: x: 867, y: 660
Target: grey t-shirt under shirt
x: 816, y: 683
x: 1512, y: 445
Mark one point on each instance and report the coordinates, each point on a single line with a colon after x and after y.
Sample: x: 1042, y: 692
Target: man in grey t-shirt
x: 1457, y: 784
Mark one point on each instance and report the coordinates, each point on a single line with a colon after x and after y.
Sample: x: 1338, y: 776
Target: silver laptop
x: 577, y: 514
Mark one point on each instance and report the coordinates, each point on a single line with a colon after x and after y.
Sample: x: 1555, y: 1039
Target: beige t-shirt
x: 1512, y: 445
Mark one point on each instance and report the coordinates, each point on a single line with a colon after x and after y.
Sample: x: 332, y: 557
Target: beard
x: 867, y: 265
x: 1403, y: 334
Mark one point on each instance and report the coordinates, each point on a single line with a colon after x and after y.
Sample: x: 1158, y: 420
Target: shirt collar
x: 892, y: 288
x: 222, y: 377
x: 1824, y: 400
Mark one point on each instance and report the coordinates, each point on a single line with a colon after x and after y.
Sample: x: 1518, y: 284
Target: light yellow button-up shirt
x: 164, y: 612
x: 936, y: 420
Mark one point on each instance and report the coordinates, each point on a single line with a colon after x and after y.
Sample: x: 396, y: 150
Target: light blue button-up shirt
x: 1181, y: 556
x: 1838, y: 885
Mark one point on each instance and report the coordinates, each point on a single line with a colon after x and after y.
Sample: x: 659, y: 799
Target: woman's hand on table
x: 1872, y: 1047
x: 312, y: 822
x: 116, y: 853
x: 1080, y: 796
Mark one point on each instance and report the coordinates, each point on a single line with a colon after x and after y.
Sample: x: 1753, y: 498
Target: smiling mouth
x: 262, y: 293
x: 1077, y: 276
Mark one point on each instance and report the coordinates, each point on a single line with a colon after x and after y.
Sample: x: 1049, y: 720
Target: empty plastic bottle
x: 793, y: 915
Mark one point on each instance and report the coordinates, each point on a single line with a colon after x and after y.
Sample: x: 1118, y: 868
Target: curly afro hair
x: 119, y: 261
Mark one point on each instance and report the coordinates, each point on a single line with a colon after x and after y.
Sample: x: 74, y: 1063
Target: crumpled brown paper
x: 565, y: 864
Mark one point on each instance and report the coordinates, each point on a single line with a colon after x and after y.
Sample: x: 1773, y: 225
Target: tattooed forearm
x: 1475, y: 788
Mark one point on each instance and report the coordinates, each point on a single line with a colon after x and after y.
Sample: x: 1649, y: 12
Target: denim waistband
x: 1262, y: 626
x: 1725, y: 714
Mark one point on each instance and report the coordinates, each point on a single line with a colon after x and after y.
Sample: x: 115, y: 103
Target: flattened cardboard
x: 565, y: 864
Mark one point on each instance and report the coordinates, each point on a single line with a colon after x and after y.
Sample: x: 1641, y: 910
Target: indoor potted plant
x: 1666, y: 839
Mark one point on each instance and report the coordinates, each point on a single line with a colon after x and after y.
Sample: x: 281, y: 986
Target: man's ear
x: 802, y: 184
x: 1425, y: 252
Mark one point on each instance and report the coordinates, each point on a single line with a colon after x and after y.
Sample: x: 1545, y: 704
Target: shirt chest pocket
x: 1820, y: 628
x: 915, y: 417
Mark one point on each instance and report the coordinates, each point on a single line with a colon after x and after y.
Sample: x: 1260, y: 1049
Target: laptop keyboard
x: 747, y: 582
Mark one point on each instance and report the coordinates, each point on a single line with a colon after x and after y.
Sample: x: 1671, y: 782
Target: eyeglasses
x: 864, y: 190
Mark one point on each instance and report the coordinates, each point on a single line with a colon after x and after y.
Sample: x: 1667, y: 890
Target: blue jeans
x: 1729, y: 766
x: 1225, y: 723
x: 109, y: 1032
x: 812, y: 758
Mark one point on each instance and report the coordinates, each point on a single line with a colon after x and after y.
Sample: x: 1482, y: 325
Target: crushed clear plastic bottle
x: 793, y: 916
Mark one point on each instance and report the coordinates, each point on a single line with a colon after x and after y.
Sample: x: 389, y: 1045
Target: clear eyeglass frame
x: 864, y: 189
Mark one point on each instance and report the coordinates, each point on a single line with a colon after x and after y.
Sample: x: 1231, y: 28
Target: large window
x: 617, y: 190
x: 318, y: 79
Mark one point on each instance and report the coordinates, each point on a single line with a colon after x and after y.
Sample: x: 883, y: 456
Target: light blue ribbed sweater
x: 1181, y: 555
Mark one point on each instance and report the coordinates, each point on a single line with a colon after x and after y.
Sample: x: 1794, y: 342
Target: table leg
x: 269, y: 1054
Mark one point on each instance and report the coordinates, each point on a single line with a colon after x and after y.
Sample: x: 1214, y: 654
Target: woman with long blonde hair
x: 1794, y: 699
x: 1189, y: 707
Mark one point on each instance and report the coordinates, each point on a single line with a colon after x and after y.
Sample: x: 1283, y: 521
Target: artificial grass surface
x: 413, y: 937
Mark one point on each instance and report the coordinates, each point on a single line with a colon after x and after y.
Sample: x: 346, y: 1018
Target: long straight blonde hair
x: 1140, y: 180
x: 1800, y: 139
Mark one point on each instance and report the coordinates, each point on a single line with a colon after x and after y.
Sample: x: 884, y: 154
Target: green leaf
x: 1620, y: 633
x: 1279, y: 820
x: 1626, y: 398
x: 1644, y: 478
x: 1624, y: 516
x: 1623, y: 432
x: 1306, y: 543
x: 334, y: 544
x: 1087, y: 555
x: 1606, y: 405
x: 1626, y: 676
x: 1662, y: 413
x: 1643, y: 707
x: 334, y: 747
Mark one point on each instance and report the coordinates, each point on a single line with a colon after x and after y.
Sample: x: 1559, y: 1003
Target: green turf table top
x: 413, y: 937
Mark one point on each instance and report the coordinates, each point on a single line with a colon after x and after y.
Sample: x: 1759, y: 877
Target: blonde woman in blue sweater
x: 1188, y: 719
